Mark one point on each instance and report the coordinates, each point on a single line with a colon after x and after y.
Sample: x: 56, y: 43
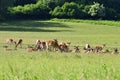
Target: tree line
x: 70, y: 9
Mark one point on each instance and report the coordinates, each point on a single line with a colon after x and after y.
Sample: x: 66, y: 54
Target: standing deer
x: 53, y: 45
x: 99, y: 48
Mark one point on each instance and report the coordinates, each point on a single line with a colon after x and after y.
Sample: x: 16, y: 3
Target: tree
x: 4, y: 4
x: 30, y: 11
x: 58, y: 12
x: 97, y: 10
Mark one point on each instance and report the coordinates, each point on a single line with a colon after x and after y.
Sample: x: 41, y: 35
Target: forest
x: 63, y: 9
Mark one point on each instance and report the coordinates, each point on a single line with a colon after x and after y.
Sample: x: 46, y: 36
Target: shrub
x: 68, y: 10
x: 85, y: 10
x: 71, y: 9
x: 58, y: 12
x: 97, y: 10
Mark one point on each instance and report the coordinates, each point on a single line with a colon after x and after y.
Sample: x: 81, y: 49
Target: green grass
x: 22, y: 65
x: 100, y: 22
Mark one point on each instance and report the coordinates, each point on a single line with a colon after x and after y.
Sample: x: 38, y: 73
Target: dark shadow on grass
x: 32, y: 26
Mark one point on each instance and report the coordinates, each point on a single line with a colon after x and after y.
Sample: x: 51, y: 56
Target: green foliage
x: 83, y: 9
x: 97, y: 10
x: 52, y: 5
x: 71, y: 9
x: 58, y: 12
x: 33, y: 11
x: 68, y: 10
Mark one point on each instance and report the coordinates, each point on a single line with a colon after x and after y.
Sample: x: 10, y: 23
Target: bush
x: 58, y: 12
x: 85, y: 10
x: 68, y: 10
x: 71, y: 10
x: 97, y: 10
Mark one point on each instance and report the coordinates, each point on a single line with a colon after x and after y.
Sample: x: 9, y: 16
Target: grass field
x: 22, y: 65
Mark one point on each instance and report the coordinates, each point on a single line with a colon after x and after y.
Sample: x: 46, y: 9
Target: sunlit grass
x: 23, y: 65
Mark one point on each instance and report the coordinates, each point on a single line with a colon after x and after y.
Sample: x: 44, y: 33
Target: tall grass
x: 52, y: 66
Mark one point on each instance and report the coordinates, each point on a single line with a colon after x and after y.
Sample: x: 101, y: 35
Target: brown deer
x: 43, y: 45
x: 19, y: 43
x: 10, y: 41
x: 64, y: 46
x: 99, y: 49
x: 53, y: 45
x: 38, y: 45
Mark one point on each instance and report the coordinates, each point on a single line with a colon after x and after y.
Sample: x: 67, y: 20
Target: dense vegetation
x: 45, y: 9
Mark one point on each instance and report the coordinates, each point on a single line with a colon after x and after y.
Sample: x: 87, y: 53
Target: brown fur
x: 10, y: 41
x: 19, y: 43
x: 64, y: 47
x: 43, y: 45
x: 54, y: 44
x: 99, y: 48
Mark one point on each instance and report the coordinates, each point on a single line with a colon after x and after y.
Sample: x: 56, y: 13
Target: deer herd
x: 55, y: 46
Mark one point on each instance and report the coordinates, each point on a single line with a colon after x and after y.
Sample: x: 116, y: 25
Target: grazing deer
x: 99, y: 48
x: 19, y: 43
x: 53, y: 45
x: 10, y: 41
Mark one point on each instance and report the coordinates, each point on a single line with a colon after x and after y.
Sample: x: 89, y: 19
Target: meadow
x: 41, y: 65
